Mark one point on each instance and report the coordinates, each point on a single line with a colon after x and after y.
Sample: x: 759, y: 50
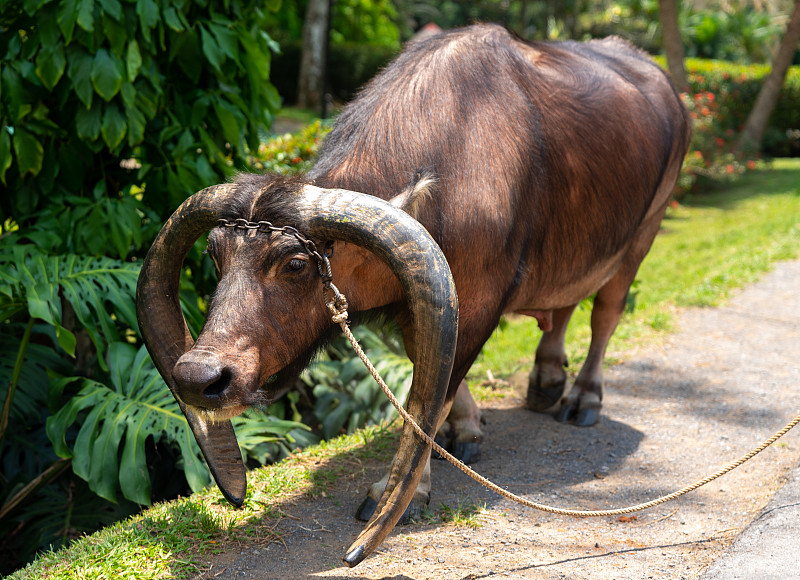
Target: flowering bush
x: 736, y: 87
x: 721, y: 96
x: 292, y: 152
x: 711, y: 152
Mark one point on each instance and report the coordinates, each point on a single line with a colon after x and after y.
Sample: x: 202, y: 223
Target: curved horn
x: 422, y: 269
x: 167, y: 337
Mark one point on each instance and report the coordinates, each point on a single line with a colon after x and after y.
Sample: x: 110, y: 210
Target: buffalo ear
x: 413, y: 198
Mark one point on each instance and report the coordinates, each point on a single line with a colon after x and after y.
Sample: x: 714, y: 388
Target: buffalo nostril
x: 200, y: 383
x: 218, y: 387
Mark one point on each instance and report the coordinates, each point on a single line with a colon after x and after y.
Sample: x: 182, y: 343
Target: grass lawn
x: 709, y: 245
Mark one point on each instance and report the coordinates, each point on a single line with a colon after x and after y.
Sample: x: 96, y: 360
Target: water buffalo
x: 523, y: 176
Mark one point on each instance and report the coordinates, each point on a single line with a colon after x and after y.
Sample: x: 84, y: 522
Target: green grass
x: 172, y: 539
x: 710, y: 245
x: 466, y: 513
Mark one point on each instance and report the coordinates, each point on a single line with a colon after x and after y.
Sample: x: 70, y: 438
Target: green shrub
x: 291, y: 153
x: 711, y: 154
x: 721, y: 96
x: 111, y: 114
x: 742, y: 34
x: 346, y: 396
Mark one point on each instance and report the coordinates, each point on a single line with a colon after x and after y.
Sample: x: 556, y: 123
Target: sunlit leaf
x: 67, y: 17
x: 80, y: 72
x: 133, y: 60
x: 113, y: 8
x: 86, y: 15
x: 211, y: 49
x: 50, y: 64
x: 148, y: 16
x: 5, y: 152
x: 230, y: 127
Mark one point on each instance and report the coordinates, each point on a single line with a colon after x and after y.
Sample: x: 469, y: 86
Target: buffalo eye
x: 295, y: 265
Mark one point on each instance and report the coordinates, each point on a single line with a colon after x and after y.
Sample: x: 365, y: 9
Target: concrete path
x: 769, y: 548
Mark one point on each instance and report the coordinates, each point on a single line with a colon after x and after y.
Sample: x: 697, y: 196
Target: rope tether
x: 340, y: 317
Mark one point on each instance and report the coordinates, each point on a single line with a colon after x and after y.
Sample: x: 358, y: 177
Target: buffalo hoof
x: 366, y: 509
x: 468, y: 451
x: 541, y: 398
x: 465, y: 451
x: 545, y: 386
x: 413, y: 511
x: 582, y: 417
x: 443, y: 442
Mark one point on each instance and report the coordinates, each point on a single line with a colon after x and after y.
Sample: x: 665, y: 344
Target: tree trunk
x: 756, y: 124
x: 673, y: 45
x: 311, y: 84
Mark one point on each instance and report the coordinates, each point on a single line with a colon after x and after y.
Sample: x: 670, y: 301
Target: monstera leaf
x: 31, y: 392
x: 33, y: 280
x: 135, y: 405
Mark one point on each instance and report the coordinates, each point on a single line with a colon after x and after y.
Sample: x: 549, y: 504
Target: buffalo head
x: 268, y: 314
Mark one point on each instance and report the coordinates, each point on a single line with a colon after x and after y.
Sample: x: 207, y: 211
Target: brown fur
x: 542, y: 171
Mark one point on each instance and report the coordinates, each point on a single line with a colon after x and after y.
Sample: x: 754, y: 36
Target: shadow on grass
x: 199, y: 528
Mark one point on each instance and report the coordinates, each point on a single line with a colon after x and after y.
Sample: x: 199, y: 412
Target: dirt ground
x: 674, y: 412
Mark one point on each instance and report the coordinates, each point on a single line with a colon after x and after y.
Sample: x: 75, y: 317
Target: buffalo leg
x: 460, y: 411
x: 584, y: 400
x: 461, y: 432
x: 421, y: 497
x: 548, y: 378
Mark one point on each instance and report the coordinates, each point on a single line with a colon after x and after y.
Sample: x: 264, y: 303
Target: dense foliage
x: 290, y: 153
x: 736, y: 87
x: 742, y: 33
x: 364, y: 35
x: 111, y: 113
x: 722, y: 95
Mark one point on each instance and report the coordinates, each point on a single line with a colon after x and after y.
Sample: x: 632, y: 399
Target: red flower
x: 729, y: 168
x: 751, y: 164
